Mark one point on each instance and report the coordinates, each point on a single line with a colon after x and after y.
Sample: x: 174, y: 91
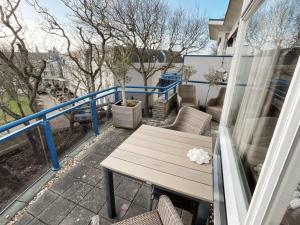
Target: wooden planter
x: 127, y: 117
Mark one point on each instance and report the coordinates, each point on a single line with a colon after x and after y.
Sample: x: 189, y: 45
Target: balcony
x: 72, y: 192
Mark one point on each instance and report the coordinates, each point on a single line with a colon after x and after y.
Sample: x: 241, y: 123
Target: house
x: 224, y: 31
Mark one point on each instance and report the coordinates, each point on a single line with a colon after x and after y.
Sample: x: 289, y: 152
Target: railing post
x: 94, y: 116
x: 166, y: 94
x: 51, y: 144
x: 116, y: 95
x: 174, y: 89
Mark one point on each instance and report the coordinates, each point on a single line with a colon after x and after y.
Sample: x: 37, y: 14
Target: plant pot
x: 127, y: 116
x: 202, y: 108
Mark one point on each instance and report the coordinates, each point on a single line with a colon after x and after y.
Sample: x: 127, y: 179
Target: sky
x: 36, y: 37
x: 214, y: 9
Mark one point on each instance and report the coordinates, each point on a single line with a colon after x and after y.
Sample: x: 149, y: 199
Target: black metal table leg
x: 151, y: 199
x: 109, y: 191
x: 201, y: 215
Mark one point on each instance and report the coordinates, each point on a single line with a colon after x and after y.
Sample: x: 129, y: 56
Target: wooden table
x: 158, y: 156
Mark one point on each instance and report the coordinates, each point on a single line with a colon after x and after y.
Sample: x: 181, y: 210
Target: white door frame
x: 261, y: 208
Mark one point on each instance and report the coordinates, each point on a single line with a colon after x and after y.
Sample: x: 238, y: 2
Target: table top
x: 159, y: 156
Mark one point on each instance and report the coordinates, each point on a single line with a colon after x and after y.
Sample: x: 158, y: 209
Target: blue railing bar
x: 151, y: 87
x: 66, y: 110
x: 45, y: 111
x: 102, y: 96
x: 19, y: 131
x: 205, y: 82
x: 143, y: 92
x: 169, y: 87
x: 143, y: 87
x: 172, y: 84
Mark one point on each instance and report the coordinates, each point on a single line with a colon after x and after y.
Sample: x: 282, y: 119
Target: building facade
x: 224, y: 31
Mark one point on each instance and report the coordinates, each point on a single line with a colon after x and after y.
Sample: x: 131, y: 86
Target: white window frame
x: 262, y: 207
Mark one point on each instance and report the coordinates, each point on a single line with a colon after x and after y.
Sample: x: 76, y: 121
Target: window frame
x: 261, y: 207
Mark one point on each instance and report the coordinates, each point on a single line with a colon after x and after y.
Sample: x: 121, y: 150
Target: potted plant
x: 214, y: 77
x: 126, y: 113
x: 186, y: 72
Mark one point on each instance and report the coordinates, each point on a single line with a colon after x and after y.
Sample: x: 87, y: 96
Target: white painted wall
x: 202, y: 64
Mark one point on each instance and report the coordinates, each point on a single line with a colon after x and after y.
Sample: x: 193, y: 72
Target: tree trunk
x: 71, y: 129
x: 146, y: 103
x: 32, y: 139
x: 31, y: 135
x: 205, y: 103
x: 124, y: 103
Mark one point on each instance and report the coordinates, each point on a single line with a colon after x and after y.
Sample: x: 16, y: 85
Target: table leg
x: 151, y: 199
x: 109, y: 191
x: 201, y: 213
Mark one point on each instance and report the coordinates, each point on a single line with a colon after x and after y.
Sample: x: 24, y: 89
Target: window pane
x: 267, y: 60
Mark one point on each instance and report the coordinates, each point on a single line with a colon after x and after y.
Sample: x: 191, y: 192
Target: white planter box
x: 127, y: 117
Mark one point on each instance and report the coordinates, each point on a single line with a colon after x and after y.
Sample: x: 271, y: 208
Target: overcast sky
x: 36, y: 37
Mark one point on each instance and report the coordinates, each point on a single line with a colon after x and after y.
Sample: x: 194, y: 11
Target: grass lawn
x: 13, y: 106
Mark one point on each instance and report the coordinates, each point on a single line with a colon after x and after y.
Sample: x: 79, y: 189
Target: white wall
x: 202, y: 64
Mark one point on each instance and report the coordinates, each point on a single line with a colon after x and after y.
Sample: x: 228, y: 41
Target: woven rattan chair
x: 191, y: 120
x: 186, y: 96
x: 215, y: 105
x: 165, y: 214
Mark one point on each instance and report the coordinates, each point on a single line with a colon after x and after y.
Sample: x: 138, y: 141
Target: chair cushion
x: 149, y: 218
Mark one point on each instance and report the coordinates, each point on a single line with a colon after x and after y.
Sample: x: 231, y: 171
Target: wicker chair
x: 191, y: 120
x: 215, y: 105
x: 165, y: 214
x: 186, y: 96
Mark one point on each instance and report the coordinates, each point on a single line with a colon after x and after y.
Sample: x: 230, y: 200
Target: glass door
x: 268, y: 56
x: 257, y: 108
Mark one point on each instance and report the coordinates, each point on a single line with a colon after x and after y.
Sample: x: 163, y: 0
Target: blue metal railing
x: 171, y: 76
x: 43, y: 118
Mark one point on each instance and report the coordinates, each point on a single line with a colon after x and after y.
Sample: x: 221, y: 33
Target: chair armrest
x: 167, y: 212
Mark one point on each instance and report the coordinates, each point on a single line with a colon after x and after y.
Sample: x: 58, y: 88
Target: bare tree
x: 118, y: 61
x: 148, y: 26
x: 274, y: 25
x: 16, y: 58
x: 87, y: 51
x: 21, y: 71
